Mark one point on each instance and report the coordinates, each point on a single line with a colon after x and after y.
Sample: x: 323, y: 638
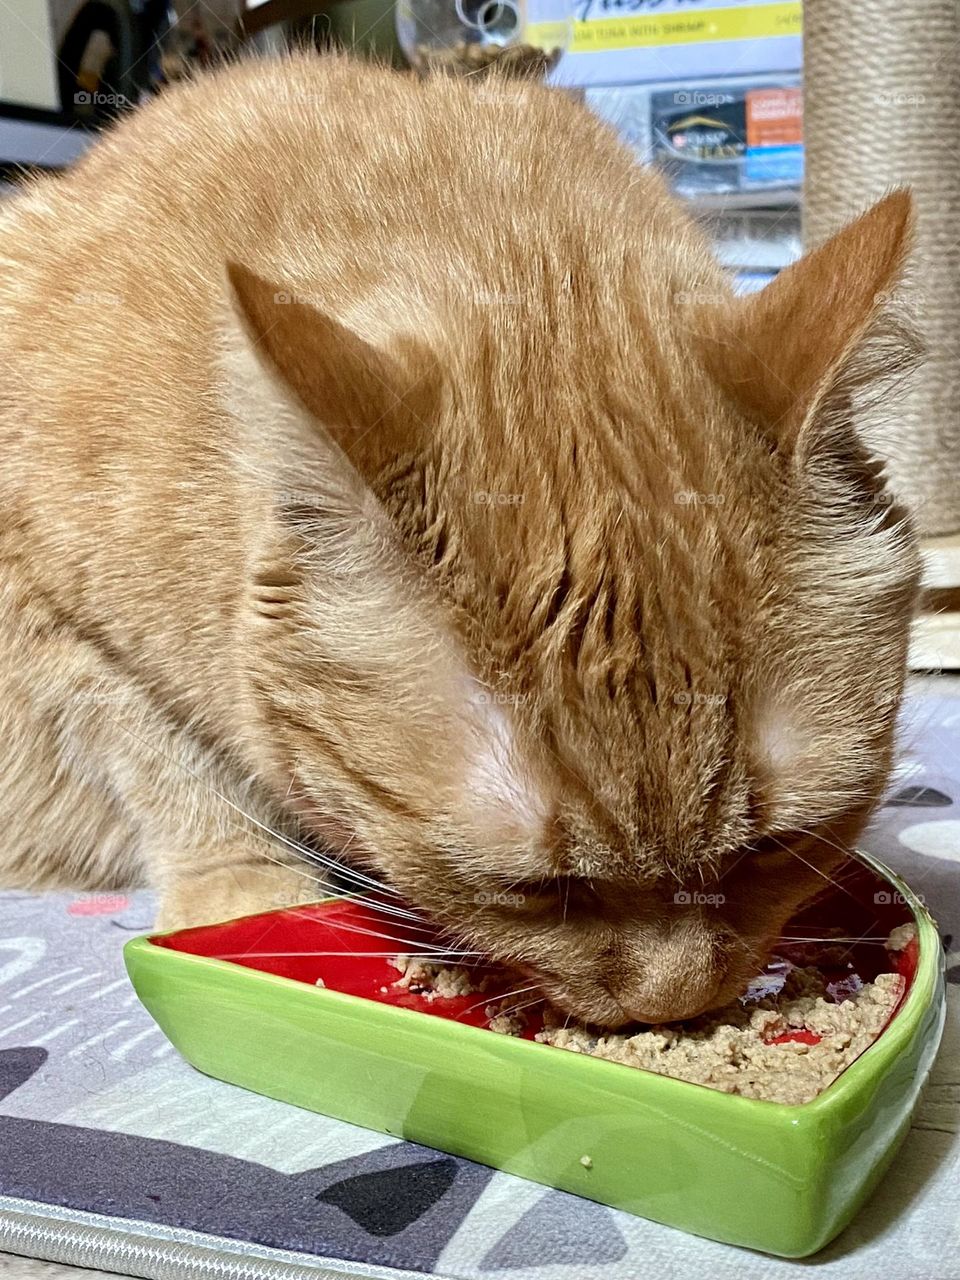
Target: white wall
x: 27, y: 60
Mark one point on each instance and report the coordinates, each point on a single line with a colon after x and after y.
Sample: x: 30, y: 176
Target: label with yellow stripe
x: 743, y: 22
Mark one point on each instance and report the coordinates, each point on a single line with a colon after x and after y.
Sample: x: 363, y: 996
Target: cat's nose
x: 670, y: 1006
x: 668, y: 991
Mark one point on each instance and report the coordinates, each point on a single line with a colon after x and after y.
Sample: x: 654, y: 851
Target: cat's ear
x: 782, y: 353
x: 372, y: 402
x: 356, y: 662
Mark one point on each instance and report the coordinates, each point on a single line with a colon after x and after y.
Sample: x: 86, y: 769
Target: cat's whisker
x: 493, y: 999
x: 818, y: 835
x: 306, y: 853
x: 401, y: 943
x: 373, y: 902
x: 410, y: 918
x: 352, y: 955
x: 829, y: 879
x: 874, y: 939
x: 412, y: 925
x: 333, y: 864
x: 528, y: 1004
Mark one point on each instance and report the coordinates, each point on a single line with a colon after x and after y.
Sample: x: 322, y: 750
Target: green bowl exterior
x: 783, y: 1179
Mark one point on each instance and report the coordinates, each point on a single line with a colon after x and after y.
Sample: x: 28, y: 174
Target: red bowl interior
x: 347, y: 946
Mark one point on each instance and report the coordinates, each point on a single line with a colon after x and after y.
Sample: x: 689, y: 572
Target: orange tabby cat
x: 387, y: 467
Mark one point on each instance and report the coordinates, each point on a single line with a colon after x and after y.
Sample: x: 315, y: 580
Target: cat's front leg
x: 234, y: 879
x: 102, y: 788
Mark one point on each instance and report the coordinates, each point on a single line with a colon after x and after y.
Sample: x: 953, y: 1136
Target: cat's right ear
x: 821, y: 329
x: 300, y: 377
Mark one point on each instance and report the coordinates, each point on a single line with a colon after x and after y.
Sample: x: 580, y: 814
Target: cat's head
x: 578, y: 611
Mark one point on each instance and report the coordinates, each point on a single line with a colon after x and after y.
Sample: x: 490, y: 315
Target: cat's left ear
x: 782, y: 352
x: 372, y: 401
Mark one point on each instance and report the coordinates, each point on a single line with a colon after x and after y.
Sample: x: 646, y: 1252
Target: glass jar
x: 470, y: 37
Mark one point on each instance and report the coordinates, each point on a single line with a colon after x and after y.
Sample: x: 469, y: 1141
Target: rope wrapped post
x: 882, y: 109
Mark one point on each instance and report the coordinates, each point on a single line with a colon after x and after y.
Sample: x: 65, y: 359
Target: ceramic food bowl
x: 240, y: 1001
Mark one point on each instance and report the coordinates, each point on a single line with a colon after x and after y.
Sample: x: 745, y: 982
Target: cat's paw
x: 207, y: 897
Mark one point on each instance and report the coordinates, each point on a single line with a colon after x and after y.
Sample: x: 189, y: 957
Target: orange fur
x: 419, y: 486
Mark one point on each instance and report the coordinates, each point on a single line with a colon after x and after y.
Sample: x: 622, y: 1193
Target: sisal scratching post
x: 882, y: 108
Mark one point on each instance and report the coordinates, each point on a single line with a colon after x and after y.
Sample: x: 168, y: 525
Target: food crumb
x: 508, y: 1024
x: 319, y: 983
x: 586, y: 1162
x: 434, y: 981
x: 901, y: 937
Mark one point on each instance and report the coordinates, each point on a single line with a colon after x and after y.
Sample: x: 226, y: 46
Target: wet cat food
x: 785, y: 1040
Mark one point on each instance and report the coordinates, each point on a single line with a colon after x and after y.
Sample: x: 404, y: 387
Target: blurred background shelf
x: 935, y: 645
x: 736, y: 201
x: 935, y: 642
x: 941, y: 562
x: 35, y: 142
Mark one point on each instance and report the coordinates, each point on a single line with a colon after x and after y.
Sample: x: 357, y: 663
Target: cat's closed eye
x: 561, y: 894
